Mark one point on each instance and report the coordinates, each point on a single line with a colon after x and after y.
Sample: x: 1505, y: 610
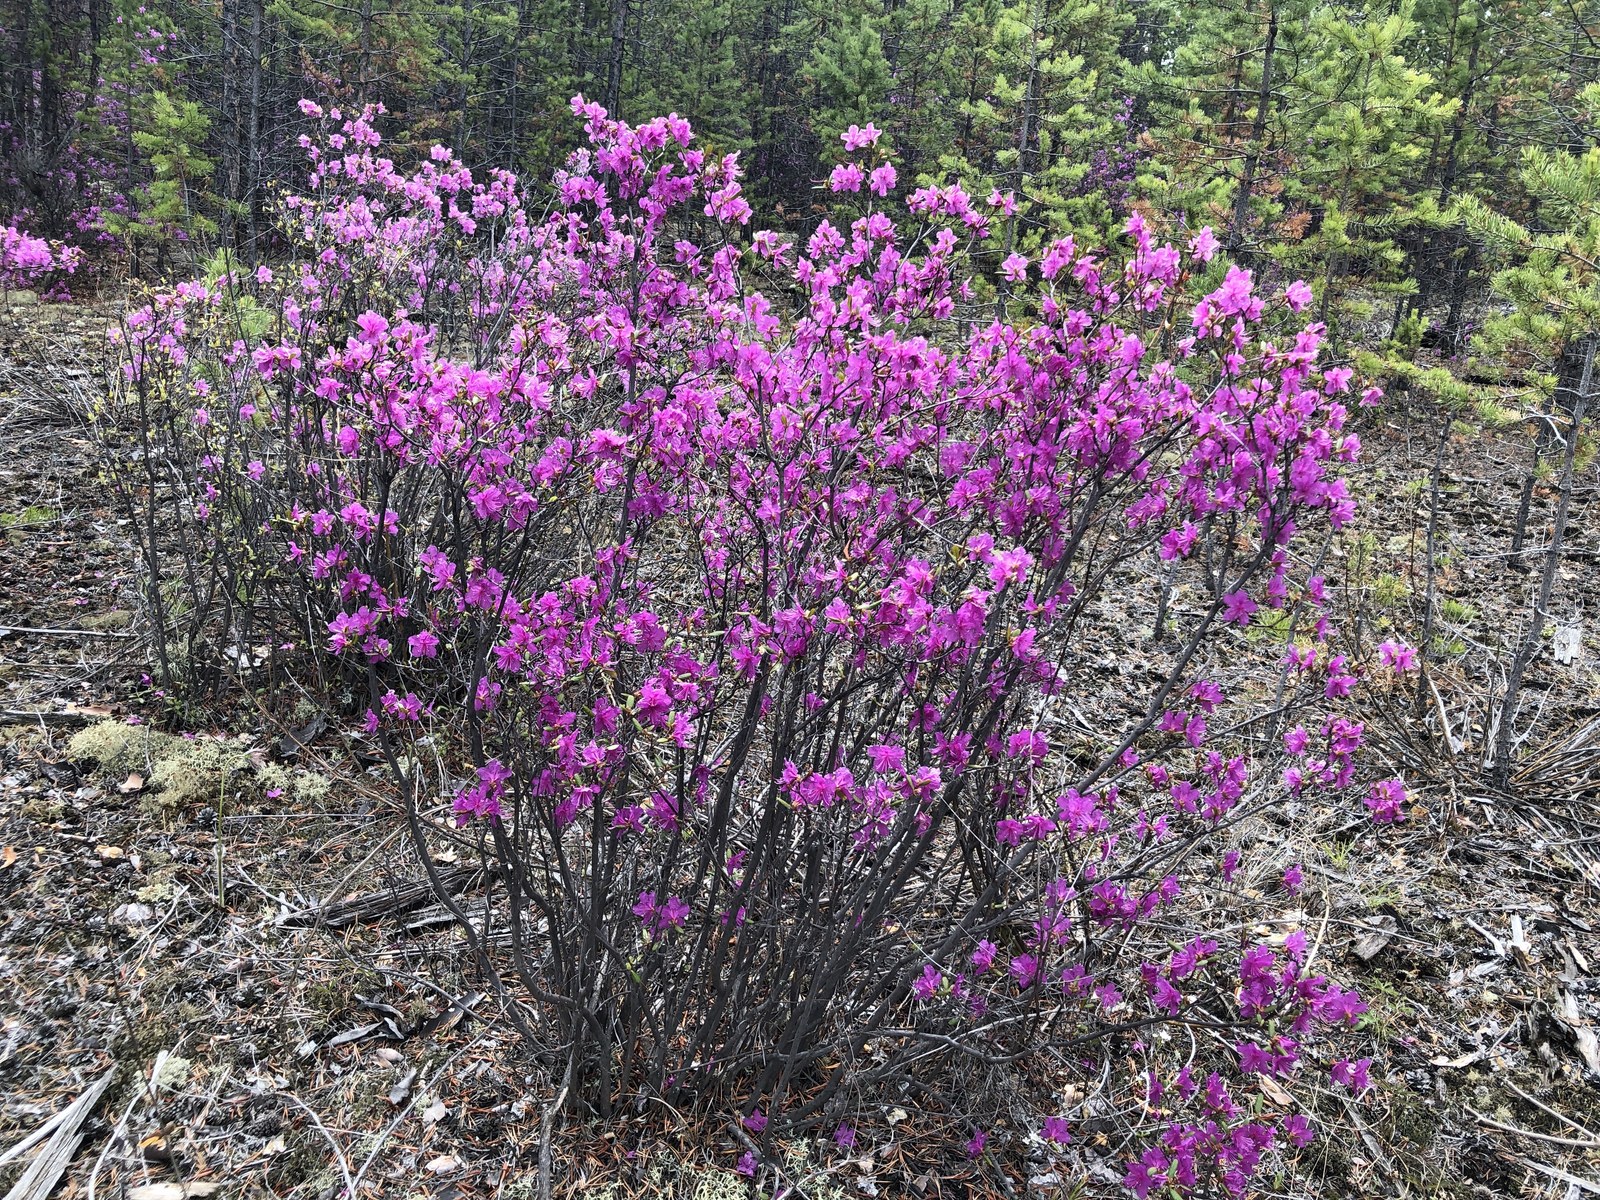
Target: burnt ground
x: 284, y: 1018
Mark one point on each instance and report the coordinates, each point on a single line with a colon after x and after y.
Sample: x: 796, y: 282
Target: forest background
x: 1324, y: 140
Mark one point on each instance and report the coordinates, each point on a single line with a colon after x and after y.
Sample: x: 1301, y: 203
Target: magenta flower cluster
x: 24, y: 259
x: 752, y: 592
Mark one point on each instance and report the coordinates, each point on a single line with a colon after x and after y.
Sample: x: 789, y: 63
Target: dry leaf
x: 1572, y: 947
x: 8, y: 856
x: 88, y: 710
x: 1583, y: 1036
x: 444, y: 1164
x: 1274, y: 1091
x: 1567, y: 643
x: 1519, y: 941
x: 133, y: 783
x: 109, y: 853
x: 1371, y: 941
x: 401, y: 1091
x: 351, y: 1035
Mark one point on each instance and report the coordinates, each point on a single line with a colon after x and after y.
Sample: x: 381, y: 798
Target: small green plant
x: 1388, y: 1009
x: 1271, y: 625
x: 34, y: 514
x: 1389, y: 590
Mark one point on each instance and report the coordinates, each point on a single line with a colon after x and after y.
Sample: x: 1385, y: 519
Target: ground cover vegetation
x: 838, y: 551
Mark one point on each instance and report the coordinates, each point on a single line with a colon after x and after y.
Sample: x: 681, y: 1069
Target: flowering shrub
x: 24, y: 259
x: 849, y: 691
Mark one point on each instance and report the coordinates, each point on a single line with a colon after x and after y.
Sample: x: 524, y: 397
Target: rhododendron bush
x: 856, y: 696
x: 24, y: 259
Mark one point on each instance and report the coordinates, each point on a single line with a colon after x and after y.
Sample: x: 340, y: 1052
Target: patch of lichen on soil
x: 181, y: 773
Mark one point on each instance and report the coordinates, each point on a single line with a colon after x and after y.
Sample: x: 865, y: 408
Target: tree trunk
x: 232, y: 180
x: 252, y: 129
x: 1505, y: 742
x: 1258, y: 134
x: 619, y: 45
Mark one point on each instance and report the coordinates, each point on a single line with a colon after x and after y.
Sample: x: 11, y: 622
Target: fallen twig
x: 43, y: 1173
x: 14, y: 715
x: 1541, y: 1105
x: 1566, y: 1177
x: 1580, y: 1143
x: 388, y: 902
x: 88, y: 633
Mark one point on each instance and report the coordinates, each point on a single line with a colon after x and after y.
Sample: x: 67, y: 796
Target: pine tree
x: 1223, y: 111
x: 688, y: 64
x: 174, y: 208
x: 850, y: 73
x: 1553, y: 326
x: 1042, y: 107
x: 1371, y: 117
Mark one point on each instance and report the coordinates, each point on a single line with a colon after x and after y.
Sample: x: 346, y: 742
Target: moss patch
x: 182, y: 773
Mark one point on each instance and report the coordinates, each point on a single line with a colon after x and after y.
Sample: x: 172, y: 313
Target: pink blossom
x: 858, y: 138
x: 846, y: 177
x: 1056, y: 1130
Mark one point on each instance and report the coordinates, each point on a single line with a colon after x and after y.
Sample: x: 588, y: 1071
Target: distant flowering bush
x: 851, y: 691
x: 25, y: 259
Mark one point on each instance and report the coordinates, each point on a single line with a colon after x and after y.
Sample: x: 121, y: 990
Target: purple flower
x: 372, y: 326
x: 1237, y: 608
x: 1386, y: 801
x: 976, y: 1143
x: 983, y: 956
x: 1299, y: 1130
x: 1055, y: 1130
x: 886, y: 758
x: 653, y: 705
x: 673, y: 913
x: 1352, y: 1075
x: 846, y: 177
x: 858, y: 138
x: 1398, y: 657
x: 1025, y: 967
x: 1146, y: 1174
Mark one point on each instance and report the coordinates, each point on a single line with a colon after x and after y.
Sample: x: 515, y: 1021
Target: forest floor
x: 282, y: 1016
